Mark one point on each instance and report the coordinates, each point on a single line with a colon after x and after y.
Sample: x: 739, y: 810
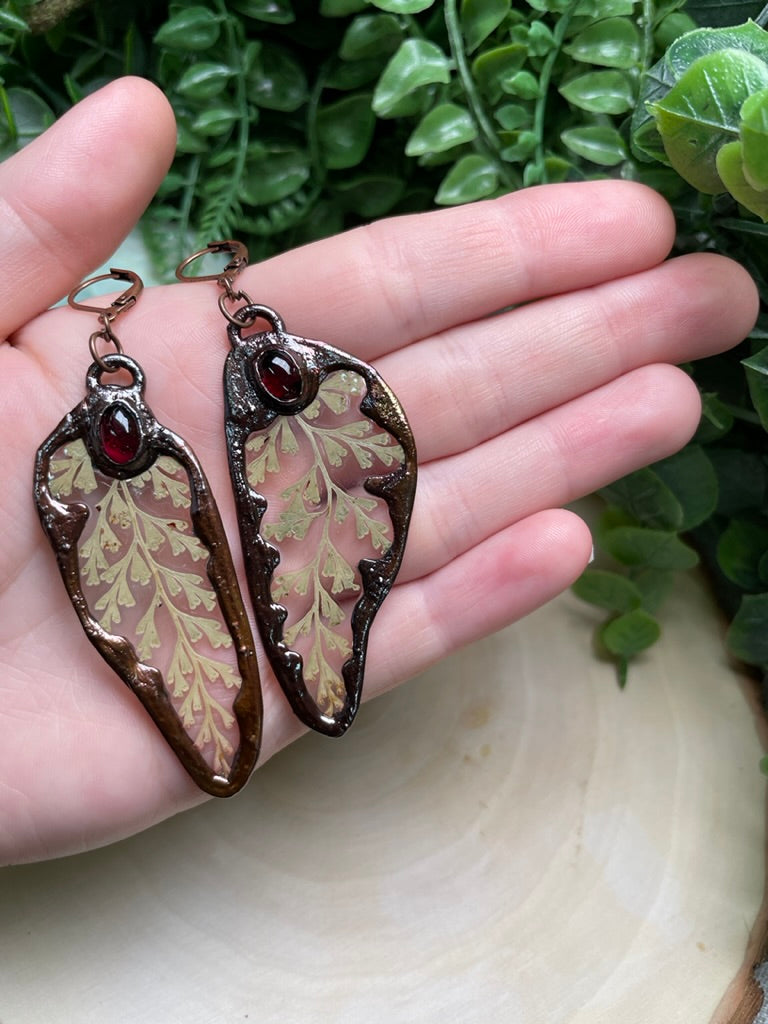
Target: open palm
x: 514, y: 416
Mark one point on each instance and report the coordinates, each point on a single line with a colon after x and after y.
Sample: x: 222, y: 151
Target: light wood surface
x: 507, y: 839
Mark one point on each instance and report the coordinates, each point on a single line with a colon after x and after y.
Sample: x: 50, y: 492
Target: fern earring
x: 143, y: 555
x: 323, y: 467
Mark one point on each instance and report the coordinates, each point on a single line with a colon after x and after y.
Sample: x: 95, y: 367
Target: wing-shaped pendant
x: 143, y: 555
x: 323, y: 467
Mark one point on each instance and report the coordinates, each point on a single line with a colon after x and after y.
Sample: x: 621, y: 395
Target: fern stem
x: 647, y: 20
x: 488, y: 138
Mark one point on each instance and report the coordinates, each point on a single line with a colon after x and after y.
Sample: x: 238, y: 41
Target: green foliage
x: 297, y: 120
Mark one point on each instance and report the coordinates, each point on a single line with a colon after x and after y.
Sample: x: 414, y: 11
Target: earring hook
x: 124, y: 301
x: 226, y: 277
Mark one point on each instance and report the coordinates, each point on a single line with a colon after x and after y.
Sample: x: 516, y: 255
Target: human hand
x: 514, y: 415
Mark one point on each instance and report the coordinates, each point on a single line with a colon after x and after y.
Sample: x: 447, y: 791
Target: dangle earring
x: 143, y: 555
x: 323, y: 467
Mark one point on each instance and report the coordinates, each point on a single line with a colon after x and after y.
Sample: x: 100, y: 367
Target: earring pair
x: 323, y: 469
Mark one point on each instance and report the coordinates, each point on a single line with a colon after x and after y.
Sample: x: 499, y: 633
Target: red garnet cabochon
x: 279, y: 375
x: 119, y: 434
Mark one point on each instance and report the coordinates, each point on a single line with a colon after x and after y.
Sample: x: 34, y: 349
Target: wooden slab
x: 507, y: 839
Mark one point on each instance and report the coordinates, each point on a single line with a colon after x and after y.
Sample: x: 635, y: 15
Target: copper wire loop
x: 235, y: 318
x: 106, y: 334
x: 225, y: 277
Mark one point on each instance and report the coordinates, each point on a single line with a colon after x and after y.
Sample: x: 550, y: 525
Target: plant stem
x: 487, y: 134
x: 647, y: 20
x: 762, y: 17
x: 544, y: 79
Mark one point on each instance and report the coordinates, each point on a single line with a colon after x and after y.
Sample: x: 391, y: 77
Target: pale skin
x: 514, y: 416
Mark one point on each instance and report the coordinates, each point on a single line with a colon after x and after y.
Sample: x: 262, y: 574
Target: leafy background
x: 297, y: 120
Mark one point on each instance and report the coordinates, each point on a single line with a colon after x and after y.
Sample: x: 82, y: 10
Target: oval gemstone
x: 119, y: 434
x: 280, y: 376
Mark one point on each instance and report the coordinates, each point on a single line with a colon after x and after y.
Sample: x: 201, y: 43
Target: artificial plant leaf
x: 445, y: 126
x: 627, y: 635
x: 146, y: 565
x: 596, y: 9
x: 403, y: 6
x: 493, y: 67
x: 747, y: 636
x: 607, y: 590
x: 371, y: 35
x: 742, y: 545
x: 730, y: 167
x: 277, y: 81
x: 277, y: 12
x: 369, y: 194
x: 742, y: 480
x: 654, y: 85
x: 417, y: 63
x: 691, y: 478
x: 602, y: 92
x: 277, y: 172
x: 600, y: 144
x: 646, y: 498
x: 472, y: 177
x: 647, y: 548
x: 753, y: 132
x: 194, y: 28
x: 756, y: 368
x: 323, y: 467
x: 23, y: 116
x: 215, y: 121
x: 700, y: 114
x: 345, y: 130
x: 611, y: 42
x: 204, y: 80
x: 479, y: 18
x: 631, y: 633
x: 341, y: 8
x: 749, y: 38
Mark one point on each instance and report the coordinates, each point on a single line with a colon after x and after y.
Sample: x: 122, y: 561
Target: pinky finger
x: 507, y: 576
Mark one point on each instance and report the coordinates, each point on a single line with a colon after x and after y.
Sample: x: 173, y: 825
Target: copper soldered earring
x: 145, y: 562
x: 323, y: 468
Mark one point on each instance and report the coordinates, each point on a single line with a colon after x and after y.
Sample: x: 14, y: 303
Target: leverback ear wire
x: 108, y: 314
x: 226, y: 280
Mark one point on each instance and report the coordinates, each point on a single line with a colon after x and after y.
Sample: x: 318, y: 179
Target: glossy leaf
x: 26, y: 116
x: 279, y: 173
x: 742, y: 480
x: 607, y: 590
x: 402, y: 6
x: 749, y: 38
x: 444, y: 127
x: 597, y: 9
x: 204, y: 80
x: 753, y: 132
x: 369, y: 194
x: 729, y: 163
x: 602, y: 92
x: 756, y: 368
x: 416, y: 63
x: 492, y: 67
x: 522, y: 84
x: 654, y: 549
x: 215, y: 120
x: 278, y: 81
x: 748, y: 637
x: 193, y: 28
x: 345, y: 129
x: 278, y: 12
x: 599, y: 144
x: 671, y: 28
x: 479, y: 18
x: 511, y: 116
x: 371, y: 35
x: 613, y: 43
x: 701, y: 113
x: 472, y: 177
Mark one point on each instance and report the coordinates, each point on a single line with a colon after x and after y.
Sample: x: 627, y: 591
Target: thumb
x: 69, y: 198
